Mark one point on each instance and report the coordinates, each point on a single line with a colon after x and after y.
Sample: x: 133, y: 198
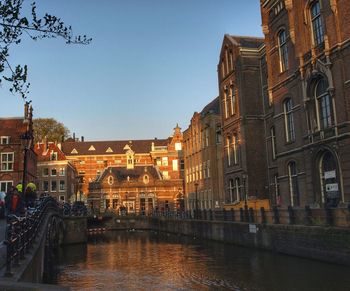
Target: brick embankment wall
x: 328, y: 244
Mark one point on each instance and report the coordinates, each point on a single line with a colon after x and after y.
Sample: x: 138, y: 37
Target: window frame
x: 7, y: 162
x: 283, y: 50
x: 289, y: 120
x: 317, y: 26
x: 294, y: 192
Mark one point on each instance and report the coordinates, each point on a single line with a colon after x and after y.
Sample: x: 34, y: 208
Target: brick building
x: 16, y: 141
x: 91, y: 158
x: 55, y: 174
x: 203, y: 159
x: 308, y: 112
x: 141, y: 189
x: 242, y: 112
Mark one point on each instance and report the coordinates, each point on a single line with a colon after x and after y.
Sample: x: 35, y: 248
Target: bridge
x: 27, y: 243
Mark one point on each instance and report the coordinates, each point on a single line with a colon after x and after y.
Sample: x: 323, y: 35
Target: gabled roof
x: 212, y: 107
x: 122, y: 173
x: 44, y: 151
x: 116, y: 147
x: 246, y: 41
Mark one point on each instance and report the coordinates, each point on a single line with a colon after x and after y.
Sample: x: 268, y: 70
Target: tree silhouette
x: 14, y: 23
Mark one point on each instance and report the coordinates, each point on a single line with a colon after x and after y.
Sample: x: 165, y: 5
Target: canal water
x: 156, y: 261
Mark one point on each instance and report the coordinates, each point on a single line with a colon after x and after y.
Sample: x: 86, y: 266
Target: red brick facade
x: 308, y: 57
x: 15, y: 135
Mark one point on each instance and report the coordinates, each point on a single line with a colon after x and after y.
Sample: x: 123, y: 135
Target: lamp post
x: 126, y: 202
x: 244, y: 178
x: 196, y: 201
x: 27, y: 139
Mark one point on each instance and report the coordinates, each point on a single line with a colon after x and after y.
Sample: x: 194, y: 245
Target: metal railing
x: 21, y: 232
x: 339, y: 217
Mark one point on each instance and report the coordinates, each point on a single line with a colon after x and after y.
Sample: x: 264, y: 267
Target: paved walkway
x: 2, y: 245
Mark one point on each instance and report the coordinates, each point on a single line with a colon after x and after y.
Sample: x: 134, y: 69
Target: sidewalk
x: 2, y: 246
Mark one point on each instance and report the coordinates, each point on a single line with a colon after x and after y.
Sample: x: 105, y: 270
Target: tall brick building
x: 93, y: 158
x: 308, y: 112
x: 203, y: 159
x: 242, y: 112
x: 15, y: 138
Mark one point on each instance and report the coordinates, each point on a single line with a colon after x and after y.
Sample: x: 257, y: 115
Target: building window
x: 53, y: 186
x: 226, y: 102
x: 62, y: 171
x: 53, y: 172
x: 62, y: 198
x: 166, y: 175
x: 7, y: 161
x: 175, y: 165
x: 5, y: 140
x: 293, y: 184
x: 182, y: 165
x: 317, y: 26
x: 208, y: 169
x: 62, y: 185
x: 323, y: 104
x: 228, y: 151
x: 233, y: 100
x: 234, y: 149
x: 45, y: 172
x: 164, y: 161
x: 237, y: 190
x: 283, y: 50
x: 207, y: 137
x: 273, y: 142
x: 5, y: 186
x: 231, y: 190
x: 46, y: 186
x: 53, y: 156
x: 218, y: 137
x: 276, y: 190
x: 289, y: 120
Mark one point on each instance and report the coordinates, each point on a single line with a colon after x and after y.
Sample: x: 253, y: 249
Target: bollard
x: 224, y: 214
x: 263, y: 215
x: 329, y: 215
x: 251, y: 214
x: 308, y: 215
x: 241, y: 214
x: 291, y: 215
x: 276, y: 216
x: 232, y: 214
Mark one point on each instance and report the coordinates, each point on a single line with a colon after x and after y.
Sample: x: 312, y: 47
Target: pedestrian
x: 30, y: 195
x: 15, y: 203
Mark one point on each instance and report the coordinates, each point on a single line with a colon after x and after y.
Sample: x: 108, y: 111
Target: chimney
x: 82, y: 138
x: 74, y: 136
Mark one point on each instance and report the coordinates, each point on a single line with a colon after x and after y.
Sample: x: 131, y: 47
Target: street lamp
x: 196, y: 205
x: 244, y: 178
x: 27, y: 139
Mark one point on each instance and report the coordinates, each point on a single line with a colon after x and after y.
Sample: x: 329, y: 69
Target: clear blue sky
x: 152, y: 63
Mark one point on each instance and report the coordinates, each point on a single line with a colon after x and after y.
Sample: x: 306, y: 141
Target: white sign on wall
x: 331, y: 187
x: 329, y: 174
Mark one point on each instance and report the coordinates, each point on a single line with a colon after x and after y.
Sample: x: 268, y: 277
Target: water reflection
x: 152, y: 261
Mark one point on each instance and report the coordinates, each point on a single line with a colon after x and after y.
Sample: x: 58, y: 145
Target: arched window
x: 323, y: 104
x: 237, y: 190
x: 233, y: 100
x: 289, y: 120
x: 293, y: 184
x: 231, y: 190
x: 317, y: 25
x: 234, y: 150
x: 283, y: 50
x: 329, y: 179
x: 228, y: 151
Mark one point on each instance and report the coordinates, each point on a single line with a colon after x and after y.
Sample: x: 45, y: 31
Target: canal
x: 155, y: 261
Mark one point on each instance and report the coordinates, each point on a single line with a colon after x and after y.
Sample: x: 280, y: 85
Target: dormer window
x: 53, y: 156
x: 317, y: 26
x: 5, y: 140
x: 145, y: 179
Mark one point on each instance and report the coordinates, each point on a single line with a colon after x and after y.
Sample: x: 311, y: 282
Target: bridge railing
x: 21, y: 232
